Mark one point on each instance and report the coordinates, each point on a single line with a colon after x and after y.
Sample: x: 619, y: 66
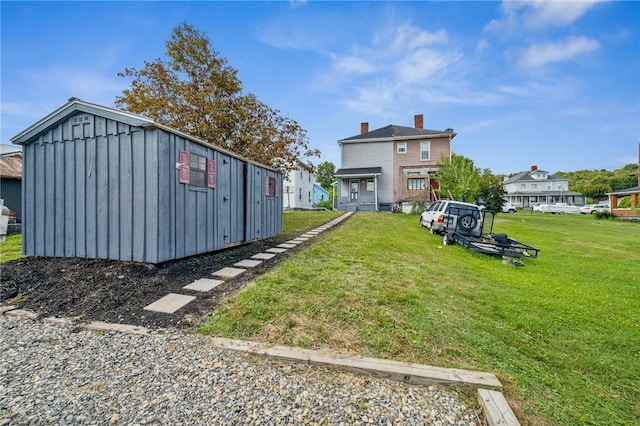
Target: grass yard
x: 562, y: 333
x: 11, y: 248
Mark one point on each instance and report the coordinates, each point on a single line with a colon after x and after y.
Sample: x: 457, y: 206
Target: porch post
x: 375, y: 191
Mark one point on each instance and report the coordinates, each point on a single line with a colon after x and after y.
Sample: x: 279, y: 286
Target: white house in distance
x: 298, y: 188
x: 535, y: 187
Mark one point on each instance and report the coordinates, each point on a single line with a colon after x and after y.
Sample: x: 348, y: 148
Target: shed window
x: 197, y: 170
x: 271, y: 187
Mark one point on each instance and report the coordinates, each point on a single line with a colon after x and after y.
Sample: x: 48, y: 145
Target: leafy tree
x: 194, y: 90
x: 325, y: 173
x: 491, y: 190
x: 596, y: 191
x: 459, y: 176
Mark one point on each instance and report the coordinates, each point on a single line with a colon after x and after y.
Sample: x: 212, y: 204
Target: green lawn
x: 562, y: 333
x: 11, y: 248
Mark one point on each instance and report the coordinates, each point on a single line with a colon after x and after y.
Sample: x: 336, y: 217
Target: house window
x: 523, y: 186
x: 534, y: 185
x: 370, y: 185
x: 416, y: 183
x: 309, y: 196
x: 425, y: 148
x: 401, y: 148
x: 300, y: 193
x: 549, y: 186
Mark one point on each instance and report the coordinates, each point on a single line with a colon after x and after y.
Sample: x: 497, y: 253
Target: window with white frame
x: 416, y: 183
x: 370, y: 185
x: 401, y: 148
x: 425, y: 151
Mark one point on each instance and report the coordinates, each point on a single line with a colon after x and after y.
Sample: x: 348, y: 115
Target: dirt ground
x: 113, y: 291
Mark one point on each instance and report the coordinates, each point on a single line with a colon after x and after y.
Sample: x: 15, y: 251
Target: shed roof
x: 77, y: 105
x: 11, y: 167
x: 393, y: 132
x: 628, y: 191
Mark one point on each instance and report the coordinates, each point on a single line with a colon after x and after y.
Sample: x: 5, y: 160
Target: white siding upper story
x: 298, y: 189
x: 535, y: 181
x: 371, y: 154
x: 535, y: 187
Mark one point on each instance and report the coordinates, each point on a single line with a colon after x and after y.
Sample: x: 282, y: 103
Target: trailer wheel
x: 467, y: 222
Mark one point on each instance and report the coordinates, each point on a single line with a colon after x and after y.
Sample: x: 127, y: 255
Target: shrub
x: 603, y: 215
x: 325, y: 204
x: 418, y: 206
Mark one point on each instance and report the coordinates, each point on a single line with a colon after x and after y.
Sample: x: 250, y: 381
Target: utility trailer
x: 482, y: 239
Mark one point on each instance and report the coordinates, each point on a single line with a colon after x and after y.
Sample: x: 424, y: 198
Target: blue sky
x: 552, y: 84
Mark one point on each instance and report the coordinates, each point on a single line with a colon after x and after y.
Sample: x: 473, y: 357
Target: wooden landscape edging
x: 496, y: 408
x: 401, y: 371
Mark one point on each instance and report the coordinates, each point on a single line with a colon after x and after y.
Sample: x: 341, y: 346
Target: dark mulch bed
x: 113, y: 291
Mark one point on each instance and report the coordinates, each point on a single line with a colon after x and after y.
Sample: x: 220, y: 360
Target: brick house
x: 390, y: 167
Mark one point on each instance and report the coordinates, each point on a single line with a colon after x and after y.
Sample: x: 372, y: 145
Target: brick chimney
x: 534, y: 168
x: 418, y: 119
x: 364, y: 128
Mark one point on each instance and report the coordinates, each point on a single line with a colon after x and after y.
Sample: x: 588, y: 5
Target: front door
x: 355, y: 186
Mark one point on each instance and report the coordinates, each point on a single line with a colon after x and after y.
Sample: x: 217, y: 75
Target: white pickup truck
x: 561, y: 208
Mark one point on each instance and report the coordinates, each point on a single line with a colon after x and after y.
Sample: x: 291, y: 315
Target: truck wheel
x: 446, y: 240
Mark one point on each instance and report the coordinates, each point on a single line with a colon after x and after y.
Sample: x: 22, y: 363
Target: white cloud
x: 353, y: 65
x: 482, y: 45
x: 533, y: 14
x: 408, y: 38
x: 422, y: 65
x: 541, y: 54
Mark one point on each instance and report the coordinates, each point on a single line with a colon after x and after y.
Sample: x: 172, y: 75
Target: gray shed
x: 103, y: 183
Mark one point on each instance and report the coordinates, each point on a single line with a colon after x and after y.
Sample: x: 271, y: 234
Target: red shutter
x: 211, y: 173
x: 183, y: 175
x: 266, y: 185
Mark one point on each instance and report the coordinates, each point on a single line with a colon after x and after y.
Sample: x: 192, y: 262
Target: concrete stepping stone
x: 276, y: 250
x: 248, y: 263
x: 301, y: 239
x: 286, y: 245
x: 307, y: 236
x: 170, y: 303
x: 203, y: 284
x: 229, y: 272
x: 294, y: 242
x: 263, y: 256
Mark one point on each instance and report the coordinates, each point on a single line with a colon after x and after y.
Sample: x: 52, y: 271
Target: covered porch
x: 529, y: 200
x: 357, y: 189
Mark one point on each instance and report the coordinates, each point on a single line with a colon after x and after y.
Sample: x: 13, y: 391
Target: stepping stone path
x: 173, y: 302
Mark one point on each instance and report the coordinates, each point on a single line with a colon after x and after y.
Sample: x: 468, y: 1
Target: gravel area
x: 67, y: 375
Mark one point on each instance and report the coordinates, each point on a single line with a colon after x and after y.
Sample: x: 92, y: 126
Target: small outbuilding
x: 103, y: 183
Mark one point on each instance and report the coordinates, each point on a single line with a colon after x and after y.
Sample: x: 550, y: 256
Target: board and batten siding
x: 95, y: 187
